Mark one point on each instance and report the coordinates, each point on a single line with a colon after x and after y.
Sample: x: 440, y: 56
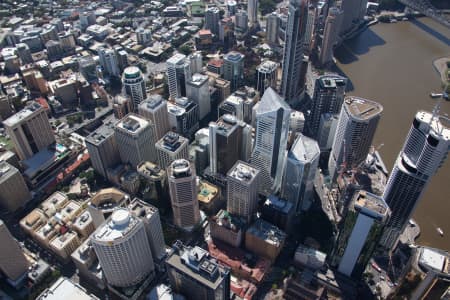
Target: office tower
x: 309, y: 29
x: 196, y: 62
x: 149, y: 214
x: 67, y: 41
x: 330, y: 35
x: 135, y: 139
x: 329, y: 92
x: 354, y: 134
x: 269, y: 152
x: 353, y: 14
x: 12, y: 64
x: 87, y: 18
x: 170, y: 147
x: 134, y: 85
x: 102, y: 148
x: 122, y: 58
x: 228, y: 140
x: 13, y: 263
x: 123, y: 250
x: 226, y: 32
x: 297, y: 122
x: 183, y: 194
x: 88, y: 68
x: 197, y: 90
x: 143, y: 36
x: 29, y: 130
x: 155, y: 110
x: 301, y: 168
x: 178, y: 73
x: 14, y: 192
x: 108, y: 61
x: 272, y: 27
x: 252, y: 9
x: 24, y: 53
x: 360, y: 233
x: 183, y: 116
x: 155, y: 178
x: 103, y: 204
x: 54, y: 50
x: 212, y: 18
x: 196, y: 275
x: 327, y: 131
x: 241, y: 22
x: 242, y: 190
x: 292, y: 88
x: 266, y: 75
x: 424, y: 151
x: 199, y: 150
x: 240, y: 104
x: 233, y: 69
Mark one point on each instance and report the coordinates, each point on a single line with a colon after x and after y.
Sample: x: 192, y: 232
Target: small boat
x: 440, y: 231
x: 435, y: 95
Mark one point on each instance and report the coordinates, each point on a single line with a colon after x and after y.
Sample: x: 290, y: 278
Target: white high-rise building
x: 197, y: 90
x: 178, y: 74
x: 183, y: 194
x: 301, y: 168
x: 330, y: 35
x: 109, y: 62
x: 354, y: 134
x: 123, y: 250
x: 135, y: 139
x: 155, y: 110
x: 423, y: 153
x: 170, y: 147
x: 272, y: 27
x: 196, y: 61
x: 134, y: 85
x: 252, y: 10
x: 266, y: 74
x: 242, y: 190
x: 269, y: 153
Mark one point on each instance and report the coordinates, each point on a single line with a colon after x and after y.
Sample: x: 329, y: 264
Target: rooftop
x: 207, y: 192
x: 26, y: 112
x: 279, y: 204
x: 226, y: 219
x: 142, y: 209
x: 117, y: 226
x: 436, y: 123
x: 151, y: 170
x: 233, y: 56
x: 131, y: 72
x: 152, y: 102
x: 6, y: 170
x: 108, y: 198
x: 133, y: 124
x: 65, y: 289
x: 177, y: 59
x: 434, y: 259
x: 198, y: 79
x: 371, y: 204
x: 171, y: 141
x: 304, y: 149
x: 271, y: 101
x: 98, y: 136
x: 267, y: 66
x: 243, y: 171
x: 267, y: 232
x: 331, y: 81
x: 362, y: 109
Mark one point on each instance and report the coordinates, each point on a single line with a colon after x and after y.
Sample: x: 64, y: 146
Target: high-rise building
x: 240, y: 104
x: 360, y: 234
x: 108, y: 61
x: 354, y: 134
x: 241, y: 23
x: 135, y: 139
x: 196, y: 61
x: 24, y: 53
x: 266, y: 75
x: 170, y: 147
x: 252, y: 9
x: 155, y: 110
x: 29, y: 130
x: 269, y: 152
x: 424, y: 151
x: 143, y: 36
x: 212, y: 18
x: 197, y: 90
x: 233, y: 69
x: 353, y: 14
x: 102, y: 147
x: 242, y: 190
x: 134, y: 85
x: 330, y: 35
x: 327, y: 131
x: 196, y: 275
x: 183, y: 194
x: 178, y: 74
x: 309, y: 29
x: 301, y: 168
x: 87, y: 18
x: 183, y: 116
x: 272, y: 27
x: 149, y: 214
x: 123, y: 250
x: 229, y: 139
x: 292, y: 84
x: 329, y: 92
x: 155, y: 177
x: 13, y: 263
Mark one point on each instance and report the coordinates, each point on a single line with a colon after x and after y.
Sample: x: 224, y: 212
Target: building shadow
x: 433, y: 32
x: 335, y: 69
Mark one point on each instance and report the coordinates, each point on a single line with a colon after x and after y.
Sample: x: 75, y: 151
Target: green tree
x: 185, y: 49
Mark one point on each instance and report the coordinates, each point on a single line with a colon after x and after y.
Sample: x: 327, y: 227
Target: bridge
x: 425, y: 7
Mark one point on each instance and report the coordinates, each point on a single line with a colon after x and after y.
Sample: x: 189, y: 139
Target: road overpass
x: 425, y: 7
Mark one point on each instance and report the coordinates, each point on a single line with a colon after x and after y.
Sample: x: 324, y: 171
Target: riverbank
x: 442, y: 68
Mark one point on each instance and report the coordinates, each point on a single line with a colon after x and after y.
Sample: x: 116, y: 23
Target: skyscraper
x: 183, y: 116
x: 360, y: 234
x: 269, y: 152
x: 123, y: 250
x: 242, y: 190
x: 183, y: 194
x: 252, y: 10
x: 424, y: 151
x: 178, y: 73
x: 233, y: 69
x: 13, y: 263
x: 354, y: 134
x: 197, y: 90
x: 109, y: 62
x: 329, y: 92
x: 301, y: 168
x: 266, y: 74
x: 135, y: 139
x: 196, y: 61
x: 170, y: 147
x: 330, y: 35
x: 292, y: 85
x: 14, y: 192
x: 134, y: 85
x: 24, y: 53
x: 29, y: 130
x: 212, y: 18
x: 353, y: 13
x: 196, y: 275
x: 102, y: 147
x: 272, y: 27
x: 155, y: 110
